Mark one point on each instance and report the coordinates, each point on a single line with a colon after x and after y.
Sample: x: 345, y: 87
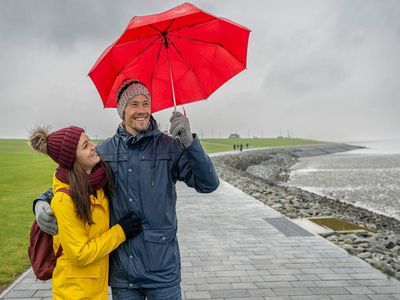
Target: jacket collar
x: 128, y: 138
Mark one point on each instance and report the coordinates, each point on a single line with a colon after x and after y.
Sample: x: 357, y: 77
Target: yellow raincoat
x: 82, y: 269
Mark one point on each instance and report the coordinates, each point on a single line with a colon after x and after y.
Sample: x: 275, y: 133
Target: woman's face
x: 86, y: 155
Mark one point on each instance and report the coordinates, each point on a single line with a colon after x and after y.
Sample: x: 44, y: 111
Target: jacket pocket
x: 157, y: 166
x: 89, y: 271
x: 160, y: 249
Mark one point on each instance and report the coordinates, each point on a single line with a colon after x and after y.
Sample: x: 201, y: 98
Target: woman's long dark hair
x: 81, y: 190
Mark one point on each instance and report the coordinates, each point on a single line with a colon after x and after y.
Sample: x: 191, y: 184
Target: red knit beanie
x: 62, y: 144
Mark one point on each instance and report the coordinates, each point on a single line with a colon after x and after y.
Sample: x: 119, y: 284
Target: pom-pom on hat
x: 129, y: 89
x: 60, y: 145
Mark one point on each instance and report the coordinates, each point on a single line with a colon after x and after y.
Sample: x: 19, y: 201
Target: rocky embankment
x: 262, y: 174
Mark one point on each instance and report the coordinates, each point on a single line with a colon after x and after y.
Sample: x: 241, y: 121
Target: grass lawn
x: 25, y: 174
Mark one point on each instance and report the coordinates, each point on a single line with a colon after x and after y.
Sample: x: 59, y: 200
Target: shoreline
x: 380, y: 249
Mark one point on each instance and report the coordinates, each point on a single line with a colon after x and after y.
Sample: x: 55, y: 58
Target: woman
x: 82, y: 213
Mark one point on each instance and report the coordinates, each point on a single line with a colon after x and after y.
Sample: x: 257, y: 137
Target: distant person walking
x: 241, y: 147
x: 82, y: 214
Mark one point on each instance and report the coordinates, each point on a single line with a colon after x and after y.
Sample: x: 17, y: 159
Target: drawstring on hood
x: 153, y: 167
x: 116, y: 172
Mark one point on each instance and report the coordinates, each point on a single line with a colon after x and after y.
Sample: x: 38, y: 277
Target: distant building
x: 234, y: 136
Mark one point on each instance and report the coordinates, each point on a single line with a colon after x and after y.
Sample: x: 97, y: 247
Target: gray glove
x: 45, y: 218
x: 180, y: 127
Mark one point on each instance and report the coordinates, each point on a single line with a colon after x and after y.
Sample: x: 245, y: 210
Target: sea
x: 368, y: 178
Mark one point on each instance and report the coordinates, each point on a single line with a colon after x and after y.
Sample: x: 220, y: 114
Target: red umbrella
x: 182, y: 55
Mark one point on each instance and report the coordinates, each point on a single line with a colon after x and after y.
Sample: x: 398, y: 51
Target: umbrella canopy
x: 181, y: 55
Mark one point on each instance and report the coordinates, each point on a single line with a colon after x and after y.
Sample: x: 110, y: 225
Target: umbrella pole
x: 172, y: 80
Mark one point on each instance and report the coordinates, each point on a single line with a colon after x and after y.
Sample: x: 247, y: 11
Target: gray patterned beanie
x: 129, y: 89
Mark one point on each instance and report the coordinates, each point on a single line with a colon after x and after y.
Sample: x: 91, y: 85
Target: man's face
x: 137, y: 114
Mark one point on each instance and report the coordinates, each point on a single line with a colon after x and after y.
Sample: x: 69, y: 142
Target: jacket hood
x: 58, y: 184
x: 128, y: 138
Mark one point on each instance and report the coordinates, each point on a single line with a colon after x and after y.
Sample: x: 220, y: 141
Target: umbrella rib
x: 158, y: 30
x: 145, y: 37
x: 195, y: 24
x: 136, y: 40
x: 193, y: 39
x: 190, y: 67
x: 207, y: 43
x: 169, y: 25
x: 154, y: 70
x: 140, y: 54
x: 154, y: 27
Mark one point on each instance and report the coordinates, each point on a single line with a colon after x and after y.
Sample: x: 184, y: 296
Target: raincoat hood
x: 128, y: 138
x: 58, y: 184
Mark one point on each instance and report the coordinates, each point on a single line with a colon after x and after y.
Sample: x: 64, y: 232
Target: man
x: 146, y: 164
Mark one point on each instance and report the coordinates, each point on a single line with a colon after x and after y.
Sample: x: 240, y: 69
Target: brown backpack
x: 40, y: 250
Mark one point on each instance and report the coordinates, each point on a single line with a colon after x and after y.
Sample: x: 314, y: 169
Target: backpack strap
x: 68, y: 192
x: 64, y: 190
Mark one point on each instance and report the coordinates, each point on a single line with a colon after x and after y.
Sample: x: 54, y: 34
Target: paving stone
x: 386, y: 289
x: 262, y: 292
x: 348, y: 297
x: 258, y: 272
x: 230, y: 293
x: 294, y: 291
x: 188, y: 287
x: 329, y: 291
x: 304, y: 283
x: 279, y: 278
x: 274, y: 284
x: 308, y: 297
x: 43, y: 293
x: 326, y: 283
x: 381, y: 297
x: 334, y: 276
x: 359, y: 290
x: 223, y: 279
x: 213, y: 286
x: 244, y: 285
x: 198, y: 295
x: 20, y: 294
x: 230, y: 273
x: 307, y: 277
x: 383, y: 282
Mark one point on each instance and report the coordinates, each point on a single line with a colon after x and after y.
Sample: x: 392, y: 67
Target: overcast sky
x: 327, y: 70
